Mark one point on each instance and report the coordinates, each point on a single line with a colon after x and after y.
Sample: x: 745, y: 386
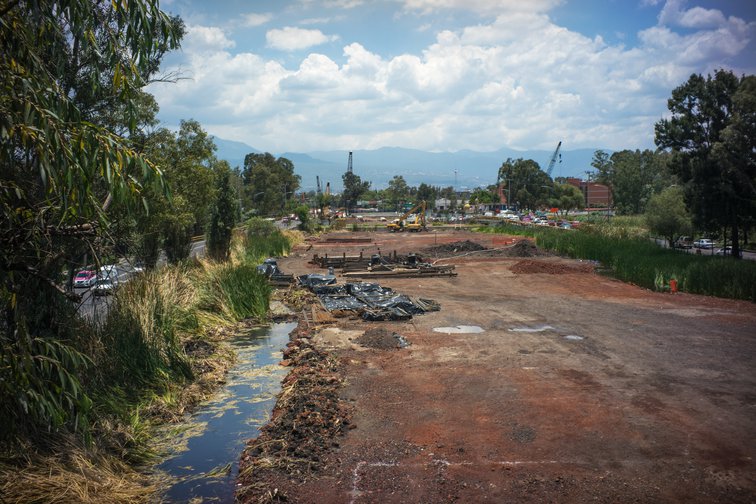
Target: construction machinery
x: 412, y: 220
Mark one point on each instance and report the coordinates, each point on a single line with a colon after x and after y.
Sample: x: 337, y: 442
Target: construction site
x: 453, y: 366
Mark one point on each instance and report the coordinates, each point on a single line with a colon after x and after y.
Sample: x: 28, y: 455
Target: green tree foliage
x: 482, y: 196
x: 567, y: 197
x: 667, y: 215
x: 524, y: 180
x: 64, y: 64
x: 632, y: 176
x: 397, y: 192
x: 427, y: 193
x: 223, y: 216
x: 269, y: 182
x: 711, y: 137
x: 188, y: 163
x: 354, y: 187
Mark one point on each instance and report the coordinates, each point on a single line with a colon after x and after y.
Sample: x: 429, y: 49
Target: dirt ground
x: 575, y: 387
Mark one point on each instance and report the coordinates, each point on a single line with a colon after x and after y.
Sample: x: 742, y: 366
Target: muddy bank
x: 307, y: 422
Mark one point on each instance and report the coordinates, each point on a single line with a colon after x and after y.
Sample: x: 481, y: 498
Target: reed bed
x: 628, y: 254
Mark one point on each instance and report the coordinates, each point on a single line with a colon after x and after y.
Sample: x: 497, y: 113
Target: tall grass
x: 631, y: 257
x: 97, y: 378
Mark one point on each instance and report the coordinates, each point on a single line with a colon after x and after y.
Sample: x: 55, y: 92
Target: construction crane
x: 349, y: 164
x: 417, y: 223
x: 554, y: 158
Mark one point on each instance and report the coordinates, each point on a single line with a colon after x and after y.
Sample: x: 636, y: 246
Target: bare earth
x: 579, y: 388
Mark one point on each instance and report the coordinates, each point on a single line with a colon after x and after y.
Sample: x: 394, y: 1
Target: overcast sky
x: 445, y: 75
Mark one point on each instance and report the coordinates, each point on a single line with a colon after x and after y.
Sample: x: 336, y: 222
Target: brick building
x: 596, y: 195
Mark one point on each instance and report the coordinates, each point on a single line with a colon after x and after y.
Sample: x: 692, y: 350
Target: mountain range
x: 462, y: 169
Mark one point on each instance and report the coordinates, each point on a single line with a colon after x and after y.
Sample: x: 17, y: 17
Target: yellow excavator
x: 412, y: 220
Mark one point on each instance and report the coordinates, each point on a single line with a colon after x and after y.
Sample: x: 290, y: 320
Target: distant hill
x: 233, y: 152
x: 463, y: 169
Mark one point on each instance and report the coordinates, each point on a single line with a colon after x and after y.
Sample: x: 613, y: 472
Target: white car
x: 103, y: 287
x: 703, y: 243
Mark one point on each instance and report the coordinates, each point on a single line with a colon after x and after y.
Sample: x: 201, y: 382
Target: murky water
x: 207, y: 447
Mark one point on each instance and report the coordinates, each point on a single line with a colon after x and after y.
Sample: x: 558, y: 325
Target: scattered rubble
x: 520, y: 248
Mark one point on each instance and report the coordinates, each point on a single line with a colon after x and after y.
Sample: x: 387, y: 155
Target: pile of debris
x: 270, y: 269
x: 520, y: 248
x: 308, y: 418
x: 371, y: 301
x: 378, y: 266
x: 454, y: 248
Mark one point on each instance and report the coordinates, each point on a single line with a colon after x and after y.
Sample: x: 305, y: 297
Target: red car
x: 85, y: 278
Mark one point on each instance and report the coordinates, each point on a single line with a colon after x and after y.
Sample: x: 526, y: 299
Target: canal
x: 205, y: 449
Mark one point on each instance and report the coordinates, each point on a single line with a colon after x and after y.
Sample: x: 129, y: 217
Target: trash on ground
x: 370, y: 301
x: 270, y: 269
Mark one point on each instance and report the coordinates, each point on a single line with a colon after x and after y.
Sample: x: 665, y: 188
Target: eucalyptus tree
x: 64, y: 168
x: 269, y: 182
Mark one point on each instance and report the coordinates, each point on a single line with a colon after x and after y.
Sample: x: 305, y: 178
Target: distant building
x: 596, y: 195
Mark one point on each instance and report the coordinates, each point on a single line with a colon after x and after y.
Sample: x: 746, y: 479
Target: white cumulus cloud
x: 294, y: 39
x: 255, y: 19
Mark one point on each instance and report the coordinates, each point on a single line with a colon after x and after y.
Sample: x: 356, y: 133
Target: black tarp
x: 370, y: 300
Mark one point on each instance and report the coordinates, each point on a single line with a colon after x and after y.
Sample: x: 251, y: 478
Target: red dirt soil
x: 580, y: 388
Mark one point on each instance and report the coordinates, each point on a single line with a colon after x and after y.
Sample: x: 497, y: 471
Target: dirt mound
x: 308, y: 417
x: 382, y: 339
x: 454, y: 248
x: 552, y: 268
x: 523, y: 248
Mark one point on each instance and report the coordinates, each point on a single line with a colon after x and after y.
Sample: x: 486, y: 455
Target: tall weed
x: 632, y: 257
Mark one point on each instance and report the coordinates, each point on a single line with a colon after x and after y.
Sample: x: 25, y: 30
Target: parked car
x: 726, y: 251
x: 85, y: 278
x: 108, y: 271
x: 684, y: 242
x: 703, y: 243
x: 104, y: 287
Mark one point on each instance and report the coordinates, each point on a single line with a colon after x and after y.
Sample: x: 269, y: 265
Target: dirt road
x: 577, y: 388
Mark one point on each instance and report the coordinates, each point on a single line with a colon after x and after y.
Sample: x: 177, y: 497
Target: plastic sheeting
x: 371, y: 300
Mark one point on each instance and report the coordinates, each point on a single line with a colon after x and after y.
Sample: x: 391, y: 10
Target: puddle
x: 460, y: 329
x: 207, y: 446
x: 573, y: 337
x: 531, y: 329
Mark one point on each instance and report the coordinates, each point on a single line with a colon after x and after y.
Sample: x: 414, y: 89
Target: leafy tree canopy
x: 667, y: 215
x: 71, y: 74
x: 269, y: 182
x: 711, y: 137
x: 524, y: 183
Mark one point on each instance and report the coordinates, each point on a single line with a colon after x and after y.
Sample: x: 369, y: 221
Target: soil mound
x: 382, y: 339
x: 454, y: 248
x: 551, y: 268
x: 524, y: 248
